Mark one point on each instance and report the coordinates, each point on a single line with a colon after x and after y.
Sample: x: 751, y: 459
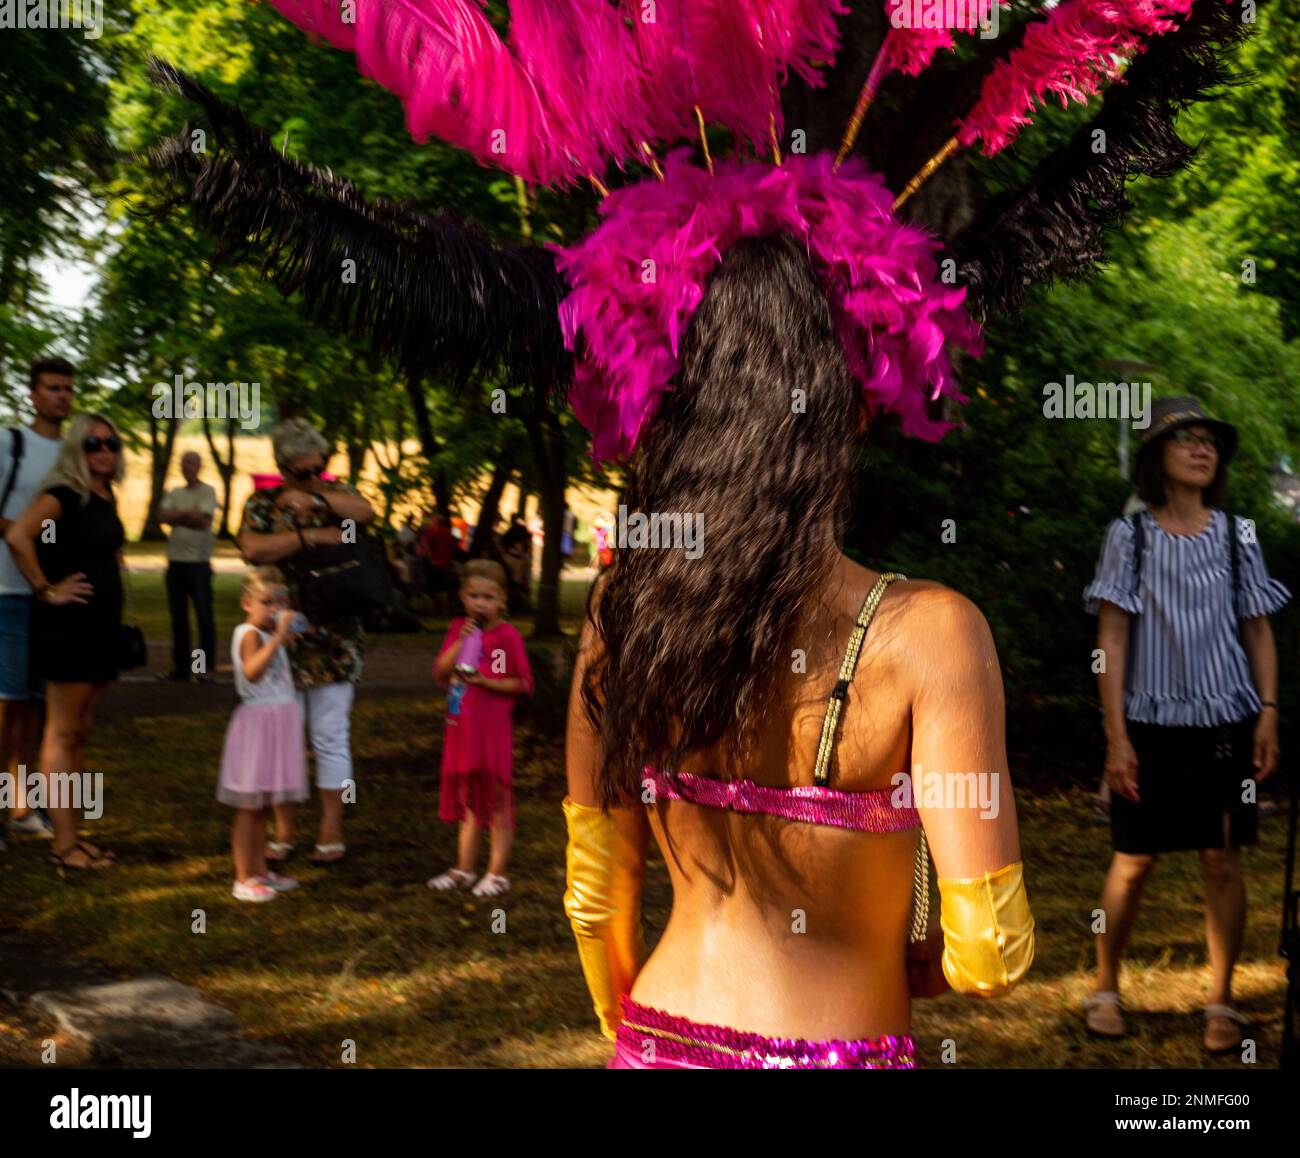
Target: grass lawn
x: 364, y: 952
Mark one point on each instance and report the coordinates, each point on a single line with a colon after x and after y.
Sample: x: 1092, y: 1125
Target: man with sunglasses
x: 189, y: 510
x: 26, y: 456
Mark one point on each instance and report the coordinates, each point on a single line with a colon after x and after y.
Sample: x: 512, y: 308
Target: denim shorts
x: 16, y: 679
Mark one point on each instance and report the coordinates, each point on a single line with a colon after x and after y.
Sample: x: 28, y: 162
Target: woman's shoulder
x: 929, y: 612
x: 918, y: 616
x: 927, y: 634
x: 64, y: 495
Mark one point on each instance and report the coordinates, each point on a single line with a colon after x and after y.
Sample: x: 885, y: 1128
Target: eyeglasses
x: 1186, y: 438
x: 306, y: 472
x: 110, y: 443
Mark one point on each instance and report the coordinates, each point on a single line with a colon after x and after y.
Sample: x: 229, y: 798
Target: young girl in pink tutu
x: 262, y: 762
x: 484, y: 661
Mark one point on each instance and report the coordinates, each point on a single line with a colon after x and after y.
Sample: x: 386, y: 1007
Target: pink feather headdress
x: 1079, y: 47
x: 639, y: 277
x: 579, y: 83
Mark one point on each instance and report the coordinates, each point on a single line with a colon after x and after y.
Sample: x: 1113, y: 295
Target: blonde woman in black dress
x: 67, y: 545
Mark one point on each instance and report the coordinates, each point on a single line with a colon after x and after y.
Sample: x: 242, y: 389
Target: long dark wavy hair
x: 756, y: 437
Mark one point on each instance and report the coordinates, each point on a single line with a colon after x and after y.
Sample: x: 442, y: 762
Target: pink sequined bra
x: 816, y: 803
x: 860, y: 811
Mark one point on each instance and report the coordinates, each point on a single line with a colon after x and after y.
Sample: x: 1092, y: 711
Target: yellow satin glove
x: 988, y: 931
x: 604, y: 868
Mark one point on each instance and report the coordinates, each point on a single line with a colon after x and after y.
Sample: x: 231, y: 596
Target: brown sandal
x: 94, y: 861
x: 1225, y: 1028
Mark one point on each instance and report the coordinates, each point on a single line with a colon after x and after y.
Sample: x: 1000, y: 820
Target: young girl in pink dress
x: 484, y: 661
x: 262, y: 761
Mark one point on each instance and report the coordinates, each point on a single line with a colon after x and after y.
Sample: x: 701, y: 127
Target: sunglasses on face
x: 110, y: 443
x: 1186, y: 438
x: 306, y: 472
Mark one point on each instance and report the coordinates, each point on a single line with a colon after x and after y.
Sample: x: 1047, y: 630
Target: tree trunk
x: 160, y: 452
x: 225, y: 469
x: 551, y: 472
x: 429, y: 445
x: 490, y: 510
x: 356, y: 461
x: 392, y: 469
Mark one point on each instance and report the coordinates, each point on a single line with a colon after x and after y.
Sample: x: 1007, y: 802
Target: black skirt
x: 1190, y: 785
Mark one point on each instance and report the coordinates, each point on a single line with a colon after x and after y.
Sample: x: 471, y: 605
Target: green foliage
x: 1029, y: 497
x: 52, y: 98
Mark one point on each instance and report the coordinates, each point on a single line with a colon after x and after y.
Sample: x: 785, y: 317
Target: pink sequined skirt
x: 649, y: 1039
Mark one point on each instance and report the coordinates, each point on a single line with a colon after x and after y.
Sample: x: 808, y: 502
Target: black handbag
x: 131, y: 649
x: 343, y: 581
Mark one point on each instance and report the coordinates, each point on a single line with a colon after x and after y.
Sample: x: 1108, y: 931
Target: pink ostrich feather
x: 909, y: 46
x: 578, y: 83
x: 1079, y: 47
x: 638, y: 278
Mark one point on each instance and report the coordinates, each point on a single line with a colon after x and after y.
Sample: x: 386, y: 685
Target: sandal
x: 279, y: 850
x: 329, y: 853
x: 1105, y: 1014
x: 94, y: 851
x: 94, y: 860
x: 451, y: 879
x: 1224, y: 1028
x: 491, y: 885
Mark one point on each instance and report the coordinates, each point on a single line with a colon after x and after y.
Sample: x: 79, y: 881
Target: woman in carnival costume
x: 757, y: 706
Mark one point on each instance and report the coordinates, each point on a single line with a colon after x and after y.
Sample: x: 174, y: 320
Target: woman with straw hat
x: 1189, y: 694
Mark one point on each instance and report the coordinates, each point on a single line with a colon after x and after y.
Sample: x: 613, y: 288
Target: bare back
x: 796, y: 929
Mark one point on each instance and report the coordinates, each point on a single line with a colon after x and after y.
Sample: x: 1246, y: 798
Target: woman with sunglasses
x: 305, y: 513
x: 1189, y: 694
x: 67, y: 545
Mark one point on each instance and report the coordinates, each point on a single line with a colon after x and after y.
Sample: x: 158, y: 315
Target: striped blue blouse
x: 1186, y: 666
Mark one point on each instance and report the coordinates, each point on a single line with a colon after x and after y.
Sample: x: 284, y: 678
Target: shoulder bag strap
x: 17, y: 443
x: 1234, y: 563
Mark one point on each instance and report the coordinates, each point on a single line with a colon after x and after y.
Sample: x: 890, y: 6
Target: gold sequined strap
x: 825, y: 749
x: 830, y: 725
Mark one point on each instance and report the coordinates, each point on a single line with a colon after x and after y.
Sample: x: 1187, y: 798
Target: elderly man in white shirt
x: 189, y: 510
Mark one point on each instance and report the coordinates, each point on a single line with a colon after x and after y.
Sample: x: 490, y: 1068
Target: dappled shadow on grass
x: 363, y: 952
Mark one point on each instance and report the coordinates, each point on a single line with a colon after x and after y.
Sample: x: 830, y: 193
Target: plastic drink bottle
x: 467, y: 660
x: 471, y: 651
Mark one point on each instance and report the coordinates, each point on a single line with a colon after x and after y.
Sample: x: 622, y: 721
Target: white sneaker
x: 35, y: 823
x: 275, y: 881
x: 491, y: 885
x: 253, y: 890
x: 451, y: 879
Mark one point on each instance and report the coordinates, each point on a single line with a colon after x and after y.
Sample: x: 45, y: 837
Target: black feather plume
x: 1055, y: 226
x: 429, y: 290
